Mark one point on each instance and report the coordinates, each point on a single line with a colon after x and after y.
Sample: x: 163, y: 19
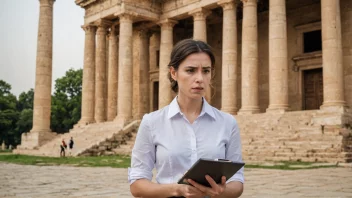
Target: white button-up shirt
x: 167, y: 141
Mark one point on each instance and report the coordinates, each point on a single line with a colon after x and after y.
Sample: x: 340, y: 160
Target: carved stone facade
x: 274, y: 59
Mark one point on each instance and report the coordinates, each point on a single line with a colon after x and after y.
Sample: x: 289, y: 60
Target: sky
x: 18, y: 41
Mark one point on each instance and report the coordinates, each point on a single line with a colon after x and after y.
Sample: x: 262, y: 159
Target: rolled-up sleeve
x: 143, y: 154
x: 234, y: 151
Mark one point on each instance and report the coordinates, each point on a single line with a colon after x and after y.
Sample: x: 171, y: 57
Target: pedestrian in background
x: 70, y: 145
x: 63, y: 146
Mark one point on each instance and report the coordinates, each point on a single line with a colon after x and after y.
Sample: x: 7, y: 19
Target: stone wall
x: 263, y: 60
x: 215, y: 41
x: 296, y: 136
x: 346, y: 25
x: 136, y: 74
x: 101, y: 6
x: 176, y: 4
x: 302, y: 16
x: 154, y: 46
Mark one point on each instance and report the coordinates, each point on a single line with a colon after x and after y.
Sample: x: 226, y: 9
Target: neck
x: 190, y: 106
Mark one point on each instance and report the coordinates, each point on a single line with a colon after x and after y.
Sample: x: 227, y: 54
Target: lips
x: 198, y: 88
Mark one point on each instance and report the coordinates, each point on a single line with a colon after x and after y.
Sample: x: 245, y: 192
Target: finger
x: 198, y: 186
x: 223, y: 180
x: 211, y: 181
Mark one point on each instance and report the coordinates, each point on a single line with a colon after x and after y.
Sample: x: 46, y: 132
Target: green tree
x: 66, y: 101
x: 25, y: 100
x: 25, y: 111
x: 8, y: 113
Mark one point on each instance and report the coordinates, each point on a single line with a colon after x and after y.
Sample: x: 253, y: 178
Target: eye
x: 206, y: 71
x: 190, y: 70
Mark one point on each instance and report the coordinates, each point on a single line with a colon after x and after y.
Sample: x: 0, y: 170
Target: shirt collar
x: 174, y: 109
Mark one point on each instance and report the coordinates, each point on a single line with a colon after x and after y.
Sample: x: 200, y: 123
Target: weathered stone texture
x: 42, y: 94
x: 268, y: 48
x: 100, y: 74
x: 346, y: 27
x: 88, y: 84
x: 136, y: 73
x: 112, y: 74
x: 215, y: 41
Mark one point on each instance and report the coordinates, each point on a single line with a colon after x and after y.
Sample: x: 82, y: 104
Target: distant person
x: 70, y: 145
x: 63, y: 146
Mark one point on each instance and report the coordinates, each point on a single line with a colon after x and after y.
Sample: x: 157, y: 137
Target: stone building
x: 283, y: 69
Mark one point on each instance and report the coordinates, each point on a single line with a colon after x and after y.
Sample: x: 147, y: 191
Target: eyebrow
x: 192, y: 67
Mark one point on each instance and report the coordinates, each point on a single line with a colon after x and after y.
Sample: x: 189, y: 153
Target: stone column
x: 200, y: 33
x: 88, y: 84
x: 278, y: 66
x: 166, y: 44
x: 200, y: 24
x: 229, y: 57
x: 100, y: 73
x: 40, y: 132
x: 332, y: 55
x: 143, y: 106
x: 112, y: 75
x: 250, y: 101
x: 42, y: 92
x: 124, y: 101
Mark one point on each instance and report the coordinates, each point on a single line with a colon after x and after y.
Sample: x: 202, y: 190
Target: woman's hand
x: 189, y: 191
x: 215, y: 190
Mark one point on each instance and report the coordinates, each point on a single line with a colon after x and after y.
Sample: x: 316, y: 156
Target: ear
x: 173, y: 73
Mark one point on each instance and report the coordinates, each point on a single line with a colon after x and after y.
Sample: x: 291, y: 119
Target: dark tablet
x: 214, y: 168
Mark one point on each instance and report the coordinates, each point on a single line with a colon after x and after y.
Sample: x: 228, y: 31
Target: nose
x: 199, y: 76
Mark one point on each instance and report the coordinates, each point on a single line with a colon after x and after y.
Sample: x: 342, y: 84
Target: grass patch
x: 288, y: 165
x: 96, y: 161
x: 119, y: 161
x: 5, y: 151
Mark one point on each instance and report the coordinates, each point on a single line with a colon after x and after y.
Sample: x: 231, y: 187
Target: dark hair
x: 183, y: 49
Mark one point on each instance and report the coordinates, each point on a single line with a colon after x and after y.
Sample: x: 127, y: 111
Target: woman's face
x: 193, y: 75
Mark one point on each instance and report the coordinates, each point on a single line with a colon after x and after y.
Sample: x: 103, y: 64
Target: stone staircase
x: 118, y: 144
x: 311, y: 136
x: 92, y: 139
x: 295, y: 136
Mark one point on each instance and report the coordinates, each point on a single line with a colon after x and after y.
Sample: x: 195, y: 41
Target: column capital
x: 227, y: 4
x: 167, y: 23
x: 126, y: 17
x: 46, y: 2
x: 103, y: 23
x: 89, y: 28
x: 249, y: 2
x: 200, y: 13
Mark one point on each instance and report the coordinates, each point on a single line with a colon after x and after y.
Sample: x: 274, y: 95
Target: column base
x: 33, y: 140
x: 338, y: 106
x: 99, y: 120
x: 86, y: 121
x: 139, y: 116
x: 83, y: 123
x: 248, y: 110
x: 122, y: 120
x: 277, y: 109
x: 232, y: 111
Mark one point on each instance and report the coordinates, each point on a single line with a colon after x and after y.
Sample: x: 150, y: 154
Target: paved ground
x: 63, y: 181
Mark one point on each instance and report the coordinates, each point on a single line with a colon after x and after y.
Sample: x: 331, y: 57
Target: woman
x: 173, y: 138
